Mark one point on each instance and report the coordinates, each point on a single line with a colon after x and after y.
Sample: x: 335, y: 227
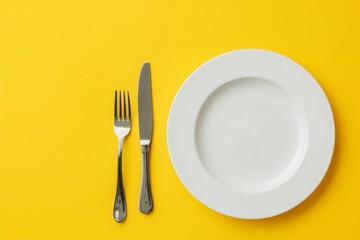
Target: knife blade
x: 145, y: 128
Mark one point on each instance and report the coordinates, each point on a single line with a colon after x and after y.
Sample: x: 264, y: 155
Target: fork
x: 122, y: 125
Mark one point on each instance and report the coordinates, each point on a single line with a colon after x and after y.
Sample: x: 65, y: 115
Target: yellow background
x: 60, y: 62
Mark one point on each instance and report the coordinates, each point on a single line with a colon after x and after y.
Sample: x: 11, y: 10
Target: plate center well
x: 251, y: 135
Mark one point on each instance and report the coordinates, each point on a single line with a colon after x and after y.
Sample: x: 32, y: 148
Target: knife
x: 145, y: 127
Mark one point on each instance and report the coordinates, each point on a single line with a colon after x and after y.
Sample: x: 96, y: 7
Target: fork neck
x: 120, y: 144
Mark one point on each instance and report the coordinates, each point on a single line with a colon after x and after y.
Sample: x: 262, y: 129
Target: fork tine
x: 124, y: 105
x: 129, y: 106
x: 115, y: 105
x: 120, y: 107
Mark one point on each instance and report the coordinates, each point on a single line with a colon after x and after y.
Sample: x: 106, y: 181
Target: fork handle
x: 146, y: 202
x: 119, y: 211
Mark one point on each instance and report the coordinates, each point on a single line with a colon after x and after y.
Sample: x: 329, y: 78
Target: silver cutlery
x: 145, y: 127
x: 122, y: 125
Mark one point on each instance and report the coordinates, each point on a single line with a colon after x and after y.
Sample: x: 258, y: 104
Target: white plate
x: 251, y: 134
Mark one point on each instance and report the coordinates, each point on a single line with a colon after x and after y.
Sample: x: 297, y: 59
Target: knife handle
x: 119, y: 212
x: 146, y: 202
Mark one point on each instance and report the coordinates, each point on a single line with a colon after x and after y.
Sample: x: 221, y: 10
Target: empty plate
x: 251, y: 134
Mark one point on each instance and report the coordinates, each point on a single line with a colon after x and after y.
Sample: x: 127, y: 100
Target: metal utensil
x: 122, y: 125
x: 146, y: 127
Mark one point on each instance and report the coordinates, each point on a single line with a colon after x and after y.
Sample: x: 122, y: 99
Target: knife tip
x: 146, y: 63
